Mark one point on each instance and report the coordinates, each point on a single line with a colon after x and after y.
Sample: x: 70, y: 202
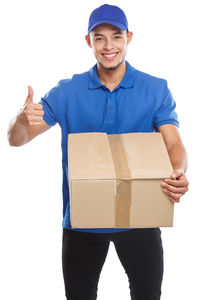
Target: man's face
x: 109, y: 45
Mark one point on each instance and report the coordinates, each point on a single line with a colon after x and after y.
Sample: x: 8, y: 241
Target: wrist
x: 177, y: 173
x: 180, y: 170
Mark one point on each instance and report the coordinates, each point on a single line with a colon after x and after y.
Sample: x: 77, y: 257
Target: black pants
x: 139, y: 250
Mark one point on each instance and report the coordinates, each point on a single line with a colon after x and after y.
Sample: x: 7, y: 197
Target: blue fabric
x: 140, y: 103
x: 108, y: 14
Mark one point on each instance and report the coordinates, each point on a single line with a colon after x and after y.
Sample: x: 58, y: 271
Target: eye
x: 98, y: 39
x: 117, y: 37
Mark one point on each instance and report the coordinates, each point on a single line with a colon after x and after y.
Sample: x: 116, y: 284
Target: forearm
x: 18, y: 133
x: 178, y: 157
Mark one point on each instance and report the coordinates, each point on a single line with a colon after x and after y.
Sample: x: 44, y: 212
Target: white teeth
x: 110, y: 55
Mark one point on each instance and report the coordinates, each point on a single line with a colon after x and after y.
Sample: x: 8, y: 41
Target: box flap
x: 90, y: 156
x: 146, y: 155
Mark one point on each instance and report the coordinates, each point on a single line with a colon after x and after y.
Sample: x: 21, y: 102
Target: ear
x: 129, y: 36
x: 87, y: 38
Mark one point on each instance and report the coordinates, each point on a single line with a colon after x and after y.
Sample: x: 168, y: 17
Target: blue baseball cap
x: 108, y: 14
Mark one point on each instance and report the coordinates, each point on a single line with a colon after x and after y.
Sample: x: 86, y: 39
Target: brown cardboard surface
x: 147, y: 155
x: 92, y: 203
x: 151, y: 207
x: 115, y: 180
x: 90, y: 156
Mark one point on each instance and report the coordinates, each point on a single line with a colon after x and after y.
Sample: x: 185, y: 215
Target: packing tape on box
x: 123, y: 187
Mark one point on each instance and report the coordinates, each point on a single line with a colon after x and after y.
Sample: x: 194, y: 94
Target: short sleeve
x: 165, y: 113
x: 51, y: 105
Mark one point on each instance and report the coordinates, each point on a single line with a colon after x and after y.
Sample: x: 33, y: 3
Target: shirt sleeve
x: 166, y: 114
x: 51, y: 105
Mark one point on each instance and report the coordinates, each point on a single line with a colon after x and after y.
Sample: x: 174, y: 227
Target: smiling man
x: 115, y: 98
x: 109, y: 45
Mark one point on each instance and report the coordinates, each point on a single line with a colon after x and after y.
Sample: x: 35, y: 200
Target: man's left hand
x: 177, y: 186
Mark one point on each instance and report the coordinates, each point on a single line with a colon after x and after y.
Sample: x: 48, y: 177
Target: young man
x: 116, y: 98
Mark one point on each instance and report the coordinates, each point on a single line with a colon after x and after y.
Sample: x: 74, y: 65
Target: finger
x: 33, y: 112
x: 172, y: 195
x: 30, y: 109
x: 173, y: 189
x: 32, y: 118
x: 177, y: 183
x: 32, y: 123
x: 38, y: 113
x: 30, y: 93
x: 173, y: 200
x: 36, y: 106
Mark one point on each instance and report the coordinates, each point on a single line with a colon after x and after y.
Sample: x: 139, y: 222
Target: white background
x: 41, y: 43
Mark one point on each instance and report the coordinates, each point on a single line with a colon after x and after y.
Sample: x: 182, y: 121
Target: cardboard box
x: 114, y: 180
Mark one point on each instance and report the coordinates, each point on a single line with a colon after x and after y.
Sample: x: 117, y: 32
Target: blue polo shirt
x: 140, y: 103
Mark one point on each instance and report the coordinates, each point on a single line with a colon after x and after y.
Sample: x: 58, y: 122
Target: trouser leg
x: 83, y: 256
x: 141, y: 254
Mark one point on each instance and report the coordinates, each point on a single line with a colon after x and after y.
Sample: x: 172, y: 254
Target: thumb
x: 30, y: 95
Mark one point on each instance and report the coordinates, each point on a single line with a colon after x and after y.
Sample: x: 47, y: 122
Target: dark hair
x: 127, y: 31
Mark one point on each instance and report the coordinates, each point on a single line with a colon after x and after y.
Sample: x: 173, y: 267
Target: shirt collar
x: 127, y: 80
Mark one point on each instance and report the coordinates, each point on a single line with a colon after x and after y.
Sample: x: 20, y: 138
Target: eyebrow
x: 99, y: 34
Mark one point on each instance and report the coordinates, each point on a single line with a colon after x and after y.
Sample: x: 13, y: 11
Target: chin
x: 111, y: 67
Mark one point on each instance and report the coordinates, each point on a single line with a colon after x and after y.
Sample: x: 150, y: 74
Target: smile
x: 110, y: 56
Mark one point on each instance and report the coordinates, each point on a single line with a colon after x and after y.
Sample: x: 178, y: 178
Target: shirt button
x: 110, y: 108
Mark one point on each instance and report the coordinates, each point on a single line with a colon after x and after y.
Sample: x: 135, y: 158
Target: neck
x: 111, y: 77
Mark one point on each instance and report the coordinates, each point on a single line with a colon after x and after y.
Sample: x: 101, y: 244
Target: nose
x: 108, y: 44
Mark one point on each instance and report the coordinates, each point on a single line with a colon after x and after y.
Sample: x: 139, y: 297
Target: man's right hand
x: 28, y: 123
x: 31, y: 113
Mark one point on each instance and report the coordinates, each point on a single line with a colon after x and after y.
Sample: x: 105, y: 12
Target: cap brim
x: 118, y: 25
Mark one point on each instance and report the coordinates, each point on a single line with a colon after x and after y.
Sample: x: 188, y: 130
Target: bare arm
x: 178, y: 156
x: 28, y: 123
x: 175, y: 147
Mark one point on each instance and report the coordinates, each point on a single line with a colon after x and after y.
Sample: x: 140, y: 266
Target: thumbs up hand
x: 31, y: 113
x: 22, y: 128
